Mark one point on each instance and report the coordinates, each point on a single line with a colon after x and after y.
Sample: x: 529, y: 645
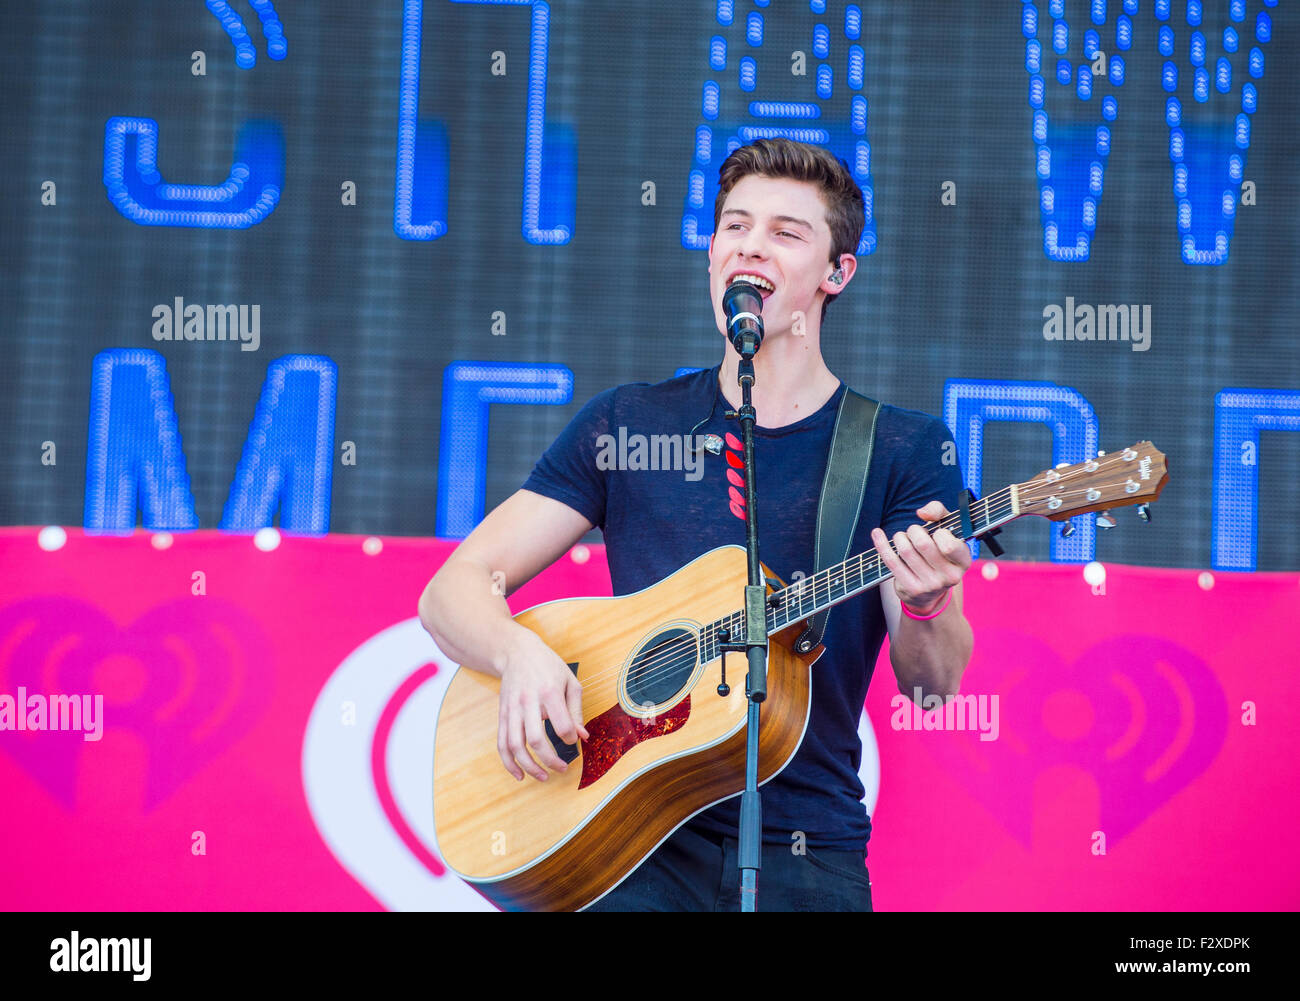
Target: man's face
x: 774, y: 228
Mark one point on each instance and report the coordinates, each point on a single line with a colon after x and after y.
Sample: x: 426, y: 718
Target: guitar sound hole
x: 662, y: 668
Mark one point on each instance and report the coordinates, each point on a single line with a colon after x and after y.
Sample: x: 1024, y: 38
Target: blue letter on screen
x: 469, y: 388
x: 1239, y: 416
x: 133, y: 451
x: 735, y: 112
x: 1207, y: 76
x: 1210, y: 127
x: 247, y: 196
x: 245, y: 54
x: 550, y: 147
x: 969, y: 403
x: 1072, y: 142
x: 288, y: 459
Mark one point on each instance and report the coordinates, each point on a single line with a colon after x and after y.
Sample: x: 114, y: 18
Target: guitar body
x: 664, y: 745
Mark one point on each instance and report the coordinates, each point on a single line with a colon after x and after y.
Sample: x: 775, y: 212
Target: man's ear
x: 847, y: 265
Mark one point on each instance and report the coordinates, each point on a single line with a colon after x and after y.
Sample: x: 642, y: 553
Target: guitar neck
x: 1133, y: 476
x: 810, y: 595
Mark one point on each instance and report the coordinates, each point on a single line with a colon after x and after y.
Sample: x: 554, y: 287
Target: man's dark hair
x: 798, y: 161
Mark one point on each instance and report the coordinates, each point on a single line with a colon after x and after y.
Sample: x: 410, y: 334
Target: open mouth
x: 765, y: 287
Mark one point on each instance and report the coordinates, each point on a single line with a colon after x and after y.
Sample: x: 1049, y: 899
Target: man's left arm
x: 932, y: 651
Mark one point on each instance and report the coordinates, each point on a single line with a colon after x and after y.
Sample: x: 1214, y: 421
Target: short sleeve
x: 568, y: 472
x: 930, y: 472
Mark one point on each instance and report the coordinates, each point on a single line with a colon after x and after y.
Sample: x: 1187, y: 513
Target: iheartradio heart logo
x: 187, y: 680
x: 1142, y: 716
x: 367, y: 769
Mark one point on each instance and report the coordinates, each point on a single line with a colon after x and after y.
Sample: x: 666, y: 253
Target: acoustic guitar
x: 664, y: 744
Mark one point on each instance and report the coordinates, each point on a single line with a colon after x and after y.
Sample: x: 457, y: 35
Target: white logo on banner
x: 869, y: 767
x: 351, y: 798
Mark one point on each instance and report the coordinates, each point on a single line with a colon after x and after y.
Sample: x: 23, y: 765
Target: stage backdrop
x: 268, y: 714
x: 359, y: 226
x: 350, y: 268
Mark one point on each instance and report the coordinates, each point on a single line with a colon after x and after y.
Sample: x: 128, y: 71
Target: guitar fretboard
x: 810, y: 595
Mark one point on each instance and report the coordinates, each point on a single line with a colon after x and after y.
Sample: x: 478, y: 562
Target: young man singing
x: 788, y: 217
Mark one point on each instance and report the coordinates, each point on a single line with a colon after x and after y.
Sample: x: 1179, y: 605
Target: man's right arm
x: 464, y: 609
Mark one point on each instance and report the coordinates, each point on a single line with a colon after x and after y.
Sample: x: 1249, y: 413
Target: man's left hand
x: 925, y: 566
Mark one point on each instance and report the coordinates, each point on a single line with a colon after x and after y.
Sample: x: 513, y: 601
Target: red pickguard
x: 613, y: 733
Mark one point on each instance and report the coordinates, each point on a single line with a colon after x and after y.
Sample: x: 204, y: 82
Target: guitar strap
x: 843, y: 487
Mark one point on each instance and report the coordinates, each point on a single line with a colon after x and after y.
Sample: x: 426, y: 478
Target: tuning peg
x: 1144, y: 511
x: 1067, y: 529
x: 1106, y: 519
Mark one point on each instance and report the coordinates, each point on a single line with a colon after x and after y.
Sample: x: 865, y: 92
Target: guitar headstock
x: 1116, y: 479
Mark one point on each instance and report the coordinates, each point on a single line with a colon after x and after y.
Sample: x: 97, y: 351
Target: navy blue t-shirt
x: 657, y: 520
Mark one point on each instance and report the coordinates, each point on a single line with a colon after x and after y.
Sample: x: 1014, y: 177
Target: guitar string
x: 828, y: 584
x: 658, y: 663
x: 660, y: 666
x: 996, y: 505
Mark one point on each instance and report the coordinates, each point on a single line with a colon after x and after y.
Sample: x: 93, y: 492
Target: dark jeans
x: 696, y: 871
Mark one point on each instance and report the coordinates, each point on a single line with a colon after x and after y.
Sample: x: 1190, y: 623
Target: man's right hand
x: 536, y: 685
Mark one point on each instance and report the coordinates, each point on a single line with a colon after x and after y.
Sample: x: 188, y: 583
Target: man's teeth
x: 755, y: 280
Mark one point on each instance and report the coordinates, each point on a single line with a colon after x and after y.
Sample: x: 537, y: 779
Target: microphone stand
x: 755, y: 638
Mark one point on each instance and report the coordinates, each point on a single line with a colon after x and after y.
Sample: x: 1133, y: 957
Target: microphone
x: 743, y: 306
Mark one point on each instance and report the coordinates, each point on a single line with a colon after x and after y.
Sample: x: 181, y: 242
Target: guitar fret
x: 810, y: 595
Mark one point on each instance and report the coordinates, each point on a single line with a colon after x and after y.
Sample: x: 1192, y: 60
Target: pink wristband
x: 932, y: 615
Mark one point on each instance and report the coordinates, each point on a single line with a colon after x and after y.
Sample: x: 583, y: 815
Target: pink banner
x: 194, y: 723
